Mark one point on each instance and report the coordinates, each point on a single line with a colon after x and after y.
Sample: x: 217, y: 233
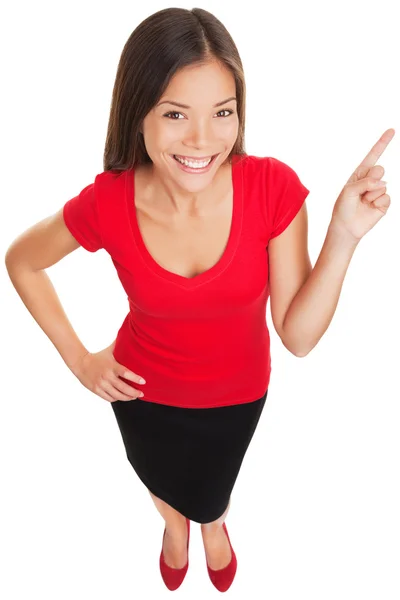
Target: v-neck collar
x: 223, y: 262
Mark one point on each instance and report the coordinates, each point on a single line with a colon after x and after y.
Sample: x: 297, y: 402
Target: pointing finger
x: 373, y: 155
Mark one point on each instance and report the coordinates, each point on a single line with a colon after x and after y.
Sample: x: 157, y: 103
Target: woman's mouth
x: 196, y: 167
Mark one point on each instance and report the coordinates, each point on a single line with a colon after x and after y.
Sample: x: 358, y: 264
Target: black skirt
x: 188, y: 457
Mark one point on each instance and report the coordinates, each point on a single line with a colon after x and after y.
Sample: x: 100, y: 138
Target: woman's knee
x: 218, y: 522
x: 168, y: 513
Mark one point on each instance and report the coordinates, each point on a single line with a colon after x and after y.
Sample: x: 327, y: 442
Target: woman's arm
x: 312, y: 309
x: 40, y: 298
x: 36, y: 249
x: 304, y: 300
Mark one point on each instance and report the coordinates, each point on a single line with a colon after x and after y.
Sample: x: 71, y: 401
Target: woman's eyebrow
x: 186, y: 106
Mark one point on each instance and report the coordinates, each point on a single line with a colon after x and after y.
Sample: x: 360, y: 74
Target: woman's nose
x: 199, y: 135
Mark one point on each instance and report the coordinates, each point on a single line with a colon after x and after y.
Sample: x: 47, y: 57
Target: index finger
x: 376, y: 151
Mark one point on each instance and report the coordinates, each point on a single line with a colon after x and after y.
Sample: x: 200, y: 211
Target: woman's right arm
x: 35, y: 250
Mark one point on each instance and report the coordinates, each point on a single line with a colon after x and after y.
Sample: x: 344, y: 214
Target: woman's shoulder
x: 110, y: 177
x: 109, y: 186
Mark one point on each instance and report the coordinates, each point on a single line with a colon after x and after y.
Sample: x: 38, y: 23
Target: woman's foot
x: 216, y: 546
x: 175, y: 546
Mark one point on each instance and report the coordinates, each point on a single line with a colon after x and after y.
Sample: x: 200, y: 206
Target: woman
x: 201, y: 234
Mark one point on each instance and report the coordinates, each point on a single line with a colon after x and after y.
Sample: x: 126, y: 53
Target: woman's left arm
x: 313, y: 307
x: 361, y: 204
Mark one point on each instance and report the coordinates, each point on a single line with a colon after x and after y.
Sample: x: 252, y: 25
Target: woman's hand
x: 363, y: 200
x: 99, y: 373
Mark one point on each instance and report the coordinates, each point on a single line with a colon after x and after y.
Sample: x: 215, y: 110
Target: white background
x: 314, y: 511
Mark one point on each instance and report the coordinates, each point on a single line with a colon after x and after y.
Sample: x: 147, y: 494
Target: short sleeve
x: 287, y: 194
x: 82, y: 219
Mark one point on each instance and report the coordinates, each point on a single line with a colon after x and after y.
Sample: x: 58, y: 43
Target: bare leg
x: 175, y: 541
x: 216, y: 545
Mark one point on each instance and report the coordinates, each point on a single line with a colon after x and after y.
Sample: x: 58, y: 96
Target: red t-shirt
x: 199, y: 342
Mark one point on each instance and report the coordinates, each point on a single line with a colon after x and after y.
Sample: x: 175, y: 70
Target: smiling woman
x: 186, y: 216
x: 184, y: 163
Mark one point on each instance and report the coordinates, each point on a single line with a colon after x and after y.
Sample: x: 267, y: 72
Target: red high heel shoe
x: 222, y: 578
x: 174, y: 577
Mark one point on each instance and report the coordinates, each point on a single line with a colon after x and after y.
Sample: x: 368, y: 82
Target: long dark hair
x: 162, y: 44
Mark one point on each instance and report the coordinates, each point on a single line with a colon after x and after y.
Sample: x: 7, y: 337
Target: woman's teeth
x: 193, y: 164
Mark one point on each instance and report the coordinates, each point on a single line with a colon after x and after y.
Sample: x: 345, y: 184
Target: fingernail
x: 141, y: 380
x: 380, y: 183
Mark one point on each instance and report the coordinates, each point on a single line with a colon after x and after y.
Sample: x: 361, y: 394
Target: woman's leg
x: 216, y: 544
x: 218, y: 522
x: 175, y: 541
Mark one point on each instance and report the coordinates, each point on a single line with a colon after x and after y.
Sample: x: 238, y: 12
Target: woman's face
x: 200, y: 129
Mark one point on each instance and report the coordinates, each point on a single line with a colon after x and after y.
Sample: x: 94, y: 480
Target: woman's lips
x: 194, y: 170
x: 194, y: 158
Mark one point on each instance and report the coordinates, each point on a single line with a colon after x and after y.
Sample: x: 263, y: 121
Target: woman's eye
x: 172, y: 113
x: 228, y: 110
x: 225, y: 110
